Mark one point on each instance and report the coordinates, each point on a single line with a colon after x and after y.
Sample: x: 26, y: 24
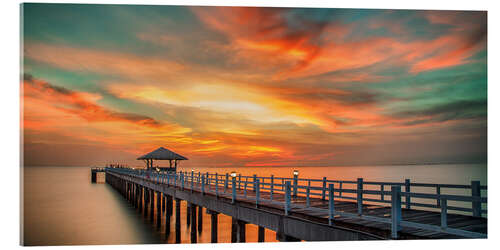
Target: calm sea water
x: 62, y: 207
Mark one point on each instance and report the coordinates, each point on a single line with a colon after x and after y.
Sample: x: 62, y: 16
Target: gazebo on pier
x: 162, y: 154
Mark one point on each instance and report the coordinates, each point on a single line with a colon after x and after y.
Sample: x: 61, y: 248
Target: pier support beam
x: 200, y: 219
x: 128, y: 191
x: 193, y: 224
x: 169, y: 205
x: 146, y: 201
x: 140, y: 199
x: 241, y: 231
x: 214, y: 222
x: 177, y: 220
x: 234, y: 230
x: 163, y: 201
x: 159, y: 197
x: 261, y: 234
x: 188, y: 214
x: 152, y: 206
x: 167, y: 220
x: 136, y: 196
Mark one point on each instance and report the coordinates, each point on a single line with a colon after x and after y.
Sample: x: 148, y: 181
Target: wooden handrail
x: 291, y: 187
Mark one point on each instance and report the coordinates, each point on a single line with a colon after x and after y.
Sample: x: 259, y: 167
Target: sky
x: 245, y: 86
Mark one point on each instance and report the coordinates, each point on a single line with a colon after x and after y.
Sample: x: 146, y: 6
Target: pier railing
x: 396, y: 195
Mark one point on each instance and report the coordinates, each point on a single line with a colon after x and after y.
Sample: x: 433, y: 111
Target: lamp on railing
x: 295, y: 172
x: 233, y: 195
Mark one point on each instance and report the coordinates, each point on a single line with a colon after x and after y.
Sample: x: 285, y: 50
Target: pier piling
x: 188, y: 213
x: 158, y: 209
x: 169, y: 205
x: 214, y: 222
x: 167, y: 222
x: 140, y: 199
x: 146, y: 202
x: 234, y: 230
x: 163, y: 203
x: 152, y: 206
x: 200, y: 219
x: 261, y: 234
x: 241, y: 231
x: 193, y: 224
x: 177, y: 220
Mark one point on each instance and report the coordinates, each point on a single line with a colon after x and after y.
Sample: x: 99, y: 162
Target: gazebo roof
x: 162, y: 154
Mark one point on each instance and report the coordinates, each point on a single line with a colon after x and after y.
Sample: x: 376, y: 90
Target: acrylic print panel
x: 184, y: 124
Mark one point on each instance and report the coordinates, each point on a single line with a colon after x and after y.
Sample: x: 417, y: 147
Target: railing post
x: 192, y: 181
x: 340, y: 189
x: 239, y: 181
x: 324, y: 189
x: 295, y: 184
x: 360, y: 196
x: 438, y: 192
x: 444, y: 213
x: 382, y: 192
x: 272, y: 187
x: 216, y: 186
x: 226, y: 183
x: 331, y: 204
x: 395, y: 210
x: 182, y: 180
x: 254, y: 181
x: 233, y: 199
x: 257, y: 193
x: 308, y: 192
x: 407, y: 190
x: 287, y: 197
x: 476, y: 192
x: 203, y: 185
x: 245, y: 188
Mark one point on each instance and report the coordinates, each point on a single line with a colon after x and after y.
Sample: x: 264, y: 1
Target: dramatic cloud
x: 81, y: 104
x: 234, y: 86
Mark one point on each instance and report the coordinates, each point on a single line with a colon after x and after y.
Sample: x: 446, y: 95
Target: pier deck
x: 303, y: 208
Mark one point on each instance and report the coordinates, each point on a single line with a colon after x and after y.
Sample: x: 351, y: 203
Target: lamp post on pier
x: 295, y: 182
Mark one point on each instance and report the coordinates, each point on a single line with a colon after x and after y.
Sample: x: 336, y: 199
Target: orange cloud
x: 264, y: 41
x: 449, y: 51
x: 319, y: 48
x: 48, y: 109
x: 81, y: 104
x: 102, y: 62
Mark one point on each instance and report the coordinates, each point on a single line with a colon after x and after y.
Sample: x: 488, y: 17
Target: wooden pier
x: 307, y: 209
